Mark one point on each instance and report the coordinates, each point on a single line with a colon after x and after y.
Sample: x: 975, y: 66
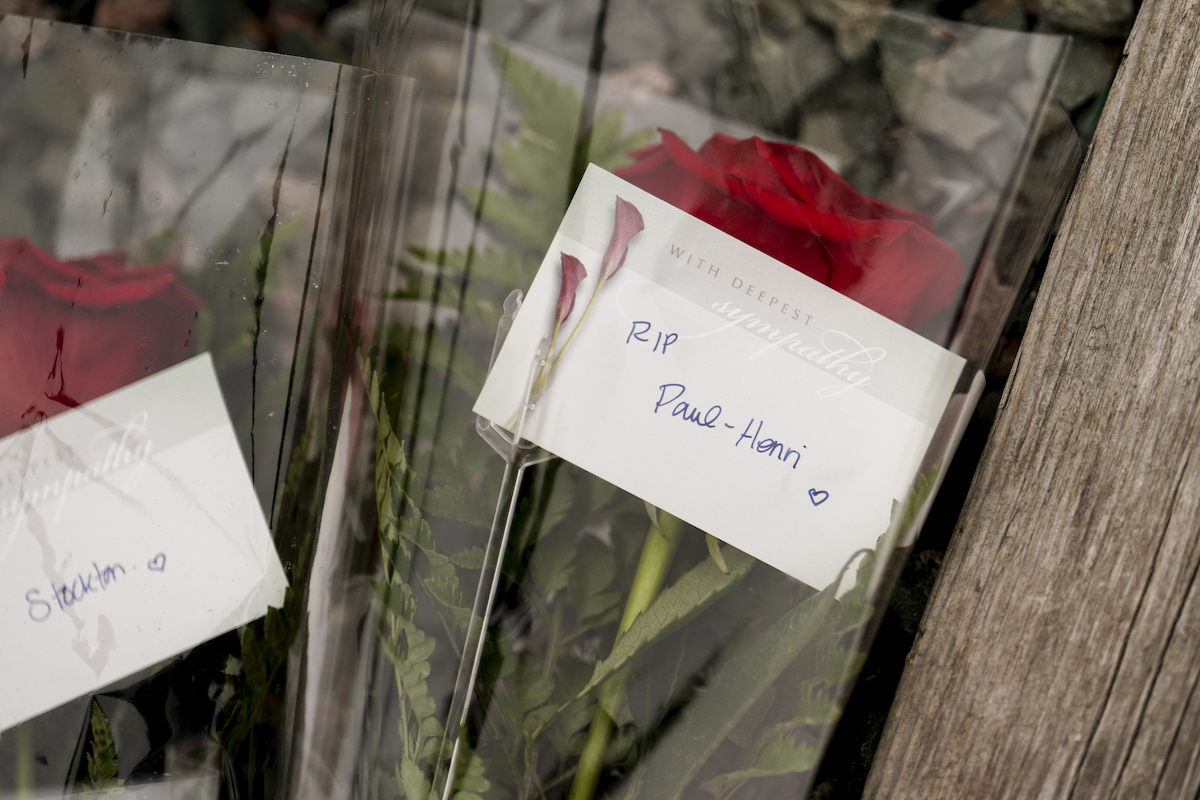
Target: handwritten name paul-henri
x: 671, y: 395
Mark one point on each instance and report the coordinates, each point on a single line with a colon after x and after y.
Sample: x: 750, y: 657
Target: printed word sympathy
x: 770, y: 301
x: 113, y: 449
x: 671, y: 400
x: 838, y: 353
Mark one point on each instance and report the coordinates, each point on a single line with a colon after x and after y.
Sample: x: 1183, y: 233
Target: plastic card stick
x: 518, y: 455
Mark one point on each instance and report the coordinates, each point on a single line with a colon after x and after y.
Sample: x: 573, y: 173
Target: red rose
x: 71, y: 331
x: 783, y: 201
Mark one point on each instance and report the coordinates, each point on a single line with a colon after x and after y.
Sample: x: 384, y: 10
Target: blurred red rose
x: 71, y: 331
x: 782, y: 200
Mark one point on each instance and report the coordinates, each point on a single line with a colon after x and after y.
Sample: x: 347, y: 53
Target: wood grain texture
x: 1060, y: 652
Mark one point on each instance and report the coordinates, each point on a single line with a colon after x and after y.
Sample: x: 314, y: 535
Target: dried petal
x: 572, y: 274
x: 627, y: 225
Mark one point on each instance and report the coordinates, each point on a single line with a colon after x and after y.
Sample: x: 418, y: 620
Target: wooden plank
x: 1060, y: 652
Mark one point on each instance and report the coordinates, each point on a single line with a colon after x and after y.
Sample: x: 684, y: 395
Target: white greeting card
x: 129, y: 532
x: 724, y: 387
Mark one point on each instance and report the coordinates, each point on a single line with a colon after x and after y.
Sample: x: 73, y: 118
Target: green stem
x: 543, y: 377
x: 539, y: 383
x: 24, y: 761
x: 575, y: 330
x: 662, y: 541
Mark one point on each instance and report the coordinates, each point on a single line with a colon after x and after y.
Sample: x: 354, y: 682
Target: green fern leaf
x: 781, y: 756
x: 525, y: 220
x: 552, y: 110
x: 102, y: 761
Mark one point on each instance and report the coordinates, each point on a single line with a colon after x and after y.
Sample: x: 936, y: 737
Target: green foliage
x: 774, y: 755
x: 246, y: 267
x: 916, y: 498
x: 539, y: 170
x: 701, y: 586
x: 413, y: 561
x: 733, y: 689
x: 102, y: 761
x: 827, y: 634
x: 255, y: 675
x: 229, y: 290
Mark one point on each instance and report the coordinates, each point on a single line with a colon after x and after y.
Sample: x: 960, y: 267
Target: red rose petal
x: 785, y: 202
x: 72, y: 331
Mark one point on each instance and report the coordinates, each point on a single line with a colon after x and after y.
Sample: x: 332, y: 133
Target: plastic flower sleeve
x: 726, y: 678
x: 164, y: 200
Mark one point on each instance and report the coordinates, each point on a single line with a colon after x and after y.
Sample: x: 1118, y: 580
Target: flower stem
x: 575, y: 330
x: 662, y: 541
x: 24, y: 774
x: 543, y: 377
x: 539, y: 382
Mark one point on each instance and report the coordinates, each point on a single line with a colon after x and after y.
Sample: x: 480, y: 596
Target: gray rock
x: 551, y: 32
x: 51, y: 169
x: 507, y: 17
x: 84, y: 224
x: 578, y: 18
x: 906, y: 40
x: 1026, y: 95
x: 30, y: 8
x: 782, y: 16
x: 869, y: 113
x: 938, y: 181
x: 953, y: 95
x: 937, y: 112
x: 16, y: 219
x: 702, y: 44
x: 206, y: 20
x: 825, y: 134
x: 345, y: 26
x: 1086, y: 73
x: 633, y: 33
x: 1042, y: 55
x: 855, y: 25
x: 789, y: 69
x: 996, y: 156
x: 1091, y: 17
x: 867, y: 175
x: 991, y: 59
x: 1011, y: 18
x: 735, y: 97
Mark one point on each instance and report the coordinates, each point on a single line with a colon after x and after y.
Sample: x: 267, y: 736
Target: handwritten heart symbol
x: 817, y: 496
x: 158, y: 563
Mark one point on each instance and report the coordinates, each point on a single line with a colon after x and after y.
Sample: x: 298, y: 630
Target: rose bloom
x: 71, y: 331
x: 783, y: 201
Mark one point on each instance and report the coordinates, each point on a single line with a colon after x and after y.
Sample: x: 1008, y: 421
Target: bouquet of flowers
x: 478, y: 617
x: 542, y: 633
x: 167, y: 200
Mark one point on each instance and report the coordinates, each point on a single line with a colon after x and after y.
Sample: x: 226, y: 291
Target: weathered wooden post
x: 1060, y: 653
